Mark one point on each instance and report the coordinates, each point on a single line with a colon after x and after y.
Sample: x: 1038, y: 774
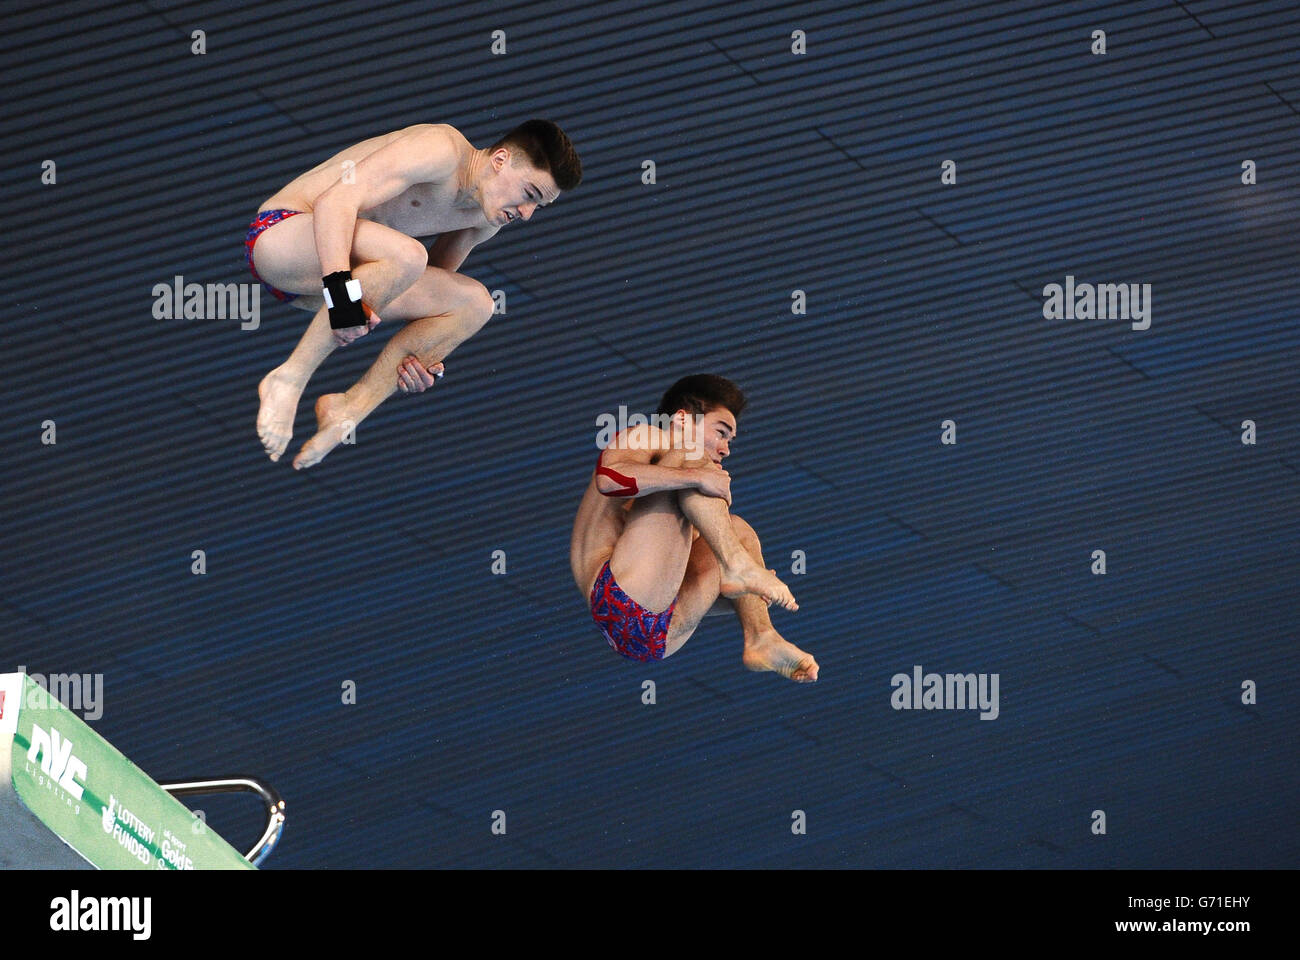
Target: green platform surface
x: 68, y: 799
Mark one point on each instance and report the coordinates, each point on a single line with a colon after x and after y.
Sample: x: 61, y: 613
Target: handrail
x: 274, y: 807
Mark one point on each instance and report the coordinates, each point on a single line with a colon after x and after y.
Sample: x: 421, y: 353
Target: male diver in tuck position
x: 655, y: 548
x: 340, y: 242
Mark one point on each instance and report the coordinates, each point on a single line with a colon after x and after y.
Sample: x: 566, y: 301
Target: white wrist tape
x: 353, y: 288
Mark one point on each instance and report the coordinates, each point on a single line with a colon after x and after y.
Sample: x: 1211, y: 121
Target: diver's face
x: 710, y: 433
x: 515, y: 188
x: 717, y: 430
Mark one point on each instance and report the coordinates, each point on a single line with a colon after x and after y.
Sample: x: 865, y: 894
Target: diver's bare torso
x: 422, y: 210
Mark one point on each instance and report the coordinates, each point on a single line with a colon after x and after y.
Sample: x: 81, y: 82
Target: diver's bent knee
x: 479, y: 304
x: 411, y: 258
x: 699, y: 461
x: 745, y: 533
x: 475, y: 309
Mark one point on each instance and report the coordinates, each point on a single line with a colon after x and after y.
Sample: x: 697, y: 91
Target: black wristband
x: 343, y: 298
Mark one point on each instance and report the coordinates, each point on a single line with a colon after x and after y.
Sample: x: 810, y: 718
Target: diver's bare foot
x: 333, y: 419
x: 752, y: 578
x: 279, y: 402
x: 770, y: 651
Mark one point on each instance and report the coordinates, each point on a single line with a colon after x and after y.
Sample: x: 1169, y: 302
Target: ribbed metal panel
x: 775, y: 172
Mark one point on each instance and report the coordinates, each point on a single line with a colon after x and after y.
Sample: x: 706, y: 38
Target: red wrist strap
x: 628, y: 489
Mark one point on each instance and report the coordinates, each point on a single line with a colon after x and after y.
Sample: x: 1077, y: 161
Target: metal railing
x: 274, y: 807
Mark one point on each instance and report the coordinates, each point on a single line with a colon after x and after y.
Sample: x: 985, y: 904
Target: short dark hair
x: 547, y: 148
x: 701, y: 393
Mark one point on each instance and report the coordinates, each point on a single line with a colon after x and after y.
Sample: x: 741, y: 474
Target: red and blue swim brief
x: 628, y: 627
x: 264, y: 221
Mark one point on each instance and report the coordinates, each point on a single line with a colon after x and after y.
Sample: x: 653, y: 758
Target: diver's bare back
x: 421, y: 210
